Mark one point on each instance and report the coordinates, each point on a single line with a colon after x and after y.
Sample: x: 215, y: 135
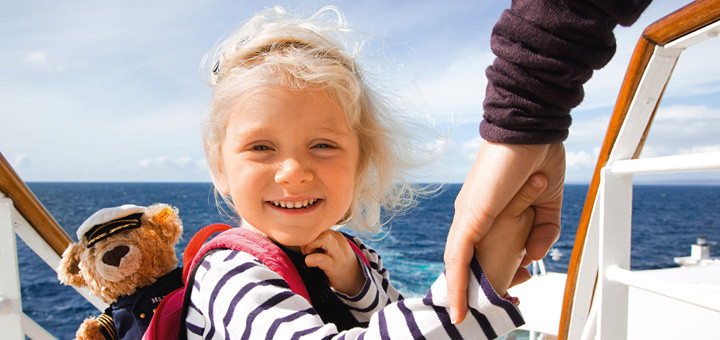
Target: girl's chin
x: 292, y: 242
x: 288, y: 240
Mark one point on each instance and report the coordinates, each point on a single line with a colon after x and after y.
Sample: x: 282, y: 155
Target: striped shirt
x: 235, y: 296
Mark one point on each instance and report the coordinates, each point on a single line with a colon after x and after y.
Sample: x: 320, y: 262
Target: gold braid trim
x: 108, y: 324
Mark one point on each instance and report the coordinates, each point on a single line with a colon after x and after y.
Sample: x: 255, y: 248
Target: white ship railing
x: 615, y: 204
x: 13, y: 322
x: 596, y: 294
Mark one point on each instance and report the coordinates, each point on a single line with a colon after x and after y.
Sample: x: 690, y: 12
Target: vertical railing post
x: 615, y: 234
x: 10, y: 301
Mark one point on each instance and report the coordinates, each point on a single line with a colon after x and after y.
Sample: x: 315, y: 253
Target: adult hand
x: 499, y: 171
x: 502, y: 249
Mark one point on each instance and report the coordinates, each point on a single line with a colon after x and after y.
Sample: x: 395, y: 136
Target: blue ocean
x: 666, y: 221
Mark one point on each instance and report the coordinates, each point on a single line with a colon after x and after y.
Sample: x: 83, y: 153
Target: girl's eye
x: 260, y: 148
x: 324, y: 146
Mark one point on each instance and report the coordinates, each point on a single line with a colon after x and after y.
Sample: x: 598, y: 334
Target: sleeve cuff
x: 487, y: 297
x: 366, y: 299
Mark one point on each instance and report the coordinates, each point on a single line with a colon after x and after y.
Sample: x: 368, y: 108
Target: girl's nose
x: 293, y: 171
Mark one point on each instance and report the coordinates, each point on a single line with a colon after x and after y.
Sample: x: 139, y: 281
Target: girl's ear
x: 219, y: 178
x: 217, y: 171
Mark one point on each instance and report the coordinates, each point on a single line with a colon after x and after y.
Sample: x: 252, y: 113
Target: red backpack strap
x: 169, y: 319
x: 196, y: 243
x: 268, y: 253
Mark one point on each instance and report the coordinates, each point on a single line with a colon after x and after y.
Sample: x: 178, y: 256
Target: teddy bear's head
x: 121, y: 249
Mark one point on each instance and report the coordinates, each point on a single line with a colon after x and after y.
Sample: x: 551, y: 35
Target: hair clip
x: 215, y: 74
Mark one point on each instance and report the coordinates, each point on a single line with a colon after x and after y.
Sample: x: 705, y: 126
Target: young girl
x: 298, y: 143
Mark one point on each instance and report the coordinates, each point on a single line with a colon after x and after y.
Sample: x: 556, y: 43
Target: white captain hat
x: 109, y: 221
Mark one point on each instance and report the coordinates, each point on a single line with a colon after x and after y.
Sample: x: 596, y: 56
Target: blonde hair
x: 275, y: 47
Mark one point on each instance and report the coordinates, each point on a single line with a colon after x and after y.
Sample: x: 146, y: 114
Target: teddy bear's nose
x: 114, y: 256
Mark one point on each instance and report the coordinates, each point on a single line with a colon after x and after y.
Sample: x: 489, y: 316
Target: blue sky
x: 110, y: 91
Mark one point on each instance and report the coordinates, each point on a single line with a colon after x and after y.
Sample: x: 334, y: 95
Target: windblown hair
x: 277, y: 48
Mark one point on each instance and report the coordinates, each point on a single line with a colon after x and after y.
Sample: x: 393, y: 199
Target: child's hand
x: 502, y: 249
x: 331, y: 252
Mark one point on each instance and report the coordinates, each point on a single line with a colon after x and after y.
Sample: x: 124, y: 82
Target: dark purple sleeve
x: 545, y: 51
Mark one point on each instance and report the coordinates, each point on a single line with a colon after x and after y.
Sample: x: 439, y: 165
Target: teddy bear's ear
x: 69, y: 270
x: 165, y: 220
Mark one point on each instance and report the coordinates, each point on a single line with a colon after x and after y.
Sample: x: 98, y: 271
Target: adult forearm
x: 546, y: 50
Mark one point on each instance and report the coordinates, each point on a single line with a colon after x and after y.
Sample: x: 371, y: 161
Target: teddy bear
x: 126, y: 256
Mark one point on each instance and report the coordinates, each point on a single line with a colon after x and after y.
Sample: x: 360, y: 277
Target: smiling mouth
x: 295, y: 204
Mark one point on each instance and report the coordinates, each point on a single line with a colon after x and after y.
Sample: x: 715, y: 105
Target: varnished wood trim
x: 638, y: 63
x: 31, y: 209
x: 695, y: 15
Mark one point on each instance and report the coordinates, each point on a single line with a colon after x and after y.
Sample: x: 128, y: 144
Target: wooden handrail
x: 677, y: 24
x: 31, y: 209
x: 692, y: 17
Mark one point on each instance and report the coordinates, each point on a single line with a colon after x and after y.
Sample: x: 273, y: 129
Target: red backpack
x: 168, y: 322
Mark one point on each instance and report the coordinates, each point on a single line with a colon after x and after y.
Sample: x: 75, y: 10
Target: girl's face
x: 288, y: 161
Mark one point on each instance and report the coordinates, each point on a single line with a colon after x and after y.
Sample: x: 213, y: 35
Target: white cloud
x: 701, y: 149
x: 470, y: 148
x: 660, y: 151
x: 21, y: 161
x: 40, y: 60
x: 579, y: 159
x: 589, y: 130
x: 683, y: 127
x: 457, y: 90
x: 167, y: 163
x: 684, y: 113
x: 437, y: 147
x: 649, y: 151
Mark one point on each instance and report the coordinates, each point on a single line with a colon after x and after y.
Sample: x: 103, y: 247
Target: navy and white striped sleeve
x: 377, y: 292
x: 237, y: 297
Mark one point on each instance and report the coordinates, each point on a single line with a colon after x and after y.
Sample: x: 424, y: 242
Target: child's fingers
x: 526, y: 261
x: 325, y: 243
x: 525, y: 197
x: 521, y: 275
x: 319, y: 260
x: 527, y: 216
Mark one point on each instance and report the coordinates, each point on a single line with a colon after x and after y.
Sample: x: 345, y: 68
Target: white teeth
x: 294, y: 204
